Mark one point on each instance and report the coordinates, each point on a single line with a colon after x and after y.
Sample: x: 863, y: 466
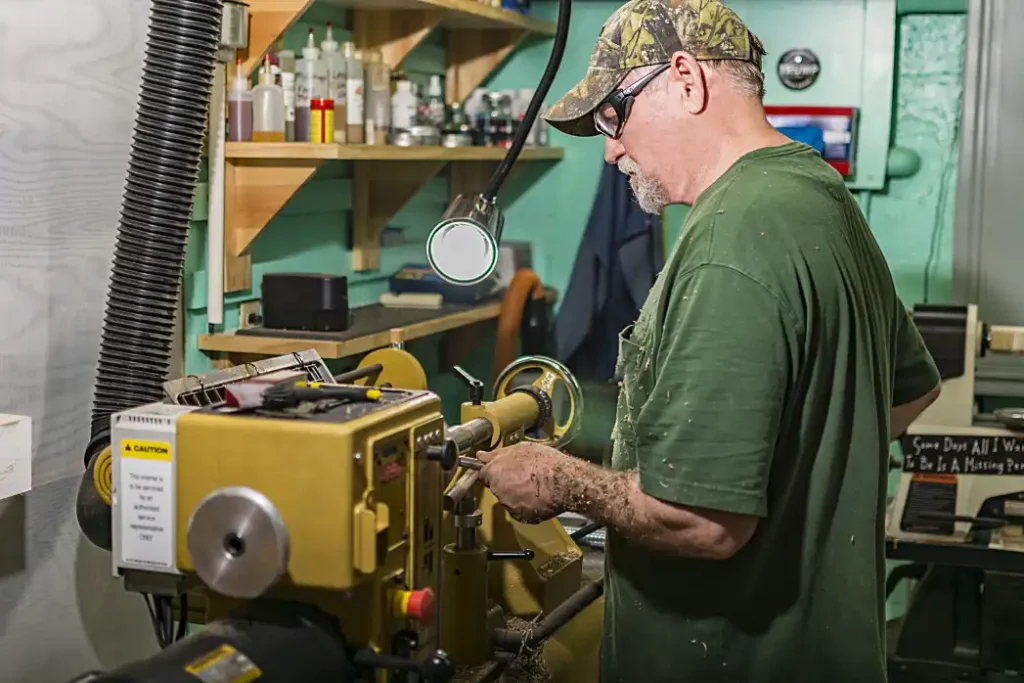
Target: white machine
x: 961, y: 480
x: 956, y: 523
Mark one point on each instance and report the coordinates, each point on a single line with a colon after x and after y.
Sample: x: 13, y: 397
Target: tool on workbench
x: 290, y: 394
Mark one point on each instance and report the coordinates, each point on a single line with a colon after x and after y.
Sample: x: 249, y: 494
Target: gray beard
x: 650, y: 194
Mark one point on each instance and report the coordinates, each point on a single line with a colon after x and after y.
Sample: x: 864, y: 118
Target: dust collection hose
x: 163, y: 170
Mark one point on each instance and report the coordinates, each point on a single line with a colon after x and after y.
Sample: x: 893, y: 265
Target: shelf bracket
x: 395, y: 34
x: 255, y: 191
x: 381, y: 189
x: 473, y: 55
x: 268, y: 20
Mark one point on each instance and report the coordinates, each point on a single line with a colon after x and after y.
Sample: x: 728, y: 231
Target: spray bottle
x: 239, y: 107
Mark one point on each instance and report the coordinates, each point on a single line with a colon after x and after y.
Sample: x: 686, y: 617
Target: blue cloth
x: 619, y: 257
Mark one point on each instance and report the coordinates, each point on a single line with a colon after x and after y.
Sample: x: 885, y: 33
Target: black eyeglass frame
x: 621, y: 100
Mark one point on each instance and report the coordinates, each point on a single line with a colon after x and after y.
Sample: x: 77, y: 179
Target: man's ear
x: 685, y: 70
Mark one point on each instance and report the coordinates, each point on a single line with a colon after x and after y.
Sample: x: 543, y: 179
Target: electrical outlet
x: 248, y: 314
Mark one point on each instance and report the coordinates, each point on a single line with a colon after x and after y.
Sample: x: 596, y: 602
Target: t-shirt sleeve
x: 915, y: 373
x: 722, y: 373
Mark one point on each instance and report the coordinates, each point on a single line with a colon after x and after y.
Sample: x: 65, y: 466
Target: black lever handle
x: 446, y: 453
x: 510, y: 555
x: 476, y: 387
x: 437, y: 668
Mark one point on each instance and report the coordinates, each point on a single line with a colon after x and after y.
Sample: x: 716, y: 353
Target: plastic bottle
x: 435, y: 102
x: 336, y: 73
x: 378, y: 99
x: 321, y: 121
x: 310, y: 82
x: 239, y: 107
x: 286, y: 60
x: 403, y: 107
x: 353, y: 118
x: 267, y: 108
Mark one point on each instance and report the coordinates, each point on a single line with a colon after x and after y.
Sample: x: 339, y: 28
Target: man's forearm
x: 614, y: 499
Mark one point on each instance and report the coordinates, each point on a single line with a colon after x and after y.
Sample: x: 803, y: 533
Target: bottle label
x: 336, y: 81
x: 303, y: 89
x: 354, y: 102
x: 288, y: 86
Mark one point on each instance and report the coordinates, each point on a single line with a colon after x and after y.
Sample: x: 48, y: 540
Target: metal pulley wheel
x: 238, y: 542
x: 1011, y: 418
x: 551, y: 374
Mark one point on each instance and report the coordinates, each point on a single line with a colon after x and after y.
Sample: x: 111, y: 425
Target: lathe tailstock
x: 334, y: 528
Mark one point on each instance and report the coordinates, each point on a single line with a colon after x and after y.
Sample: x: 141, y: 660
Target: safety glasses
x: 610, y: 116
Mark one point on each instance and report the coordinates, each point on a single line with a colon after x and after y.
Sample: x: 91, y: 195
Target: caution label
x: 146, y: 450
x: 147, y: 503
x: 224, y: 665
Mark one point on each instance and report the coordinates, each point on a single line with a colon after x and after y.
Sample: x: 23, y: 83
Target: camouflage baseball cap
x: 646, y: 33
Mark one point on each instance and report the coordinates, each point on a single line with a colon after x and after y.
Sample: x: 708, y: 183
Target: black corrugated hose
x: 163, y: 170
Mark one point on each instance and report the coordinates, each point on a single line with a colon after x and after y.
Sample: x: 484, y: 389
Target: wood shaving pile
x: 527, y: 666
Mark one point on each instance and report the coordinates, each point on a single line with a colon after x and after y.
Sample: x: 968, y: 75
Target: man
x: 767, y: 373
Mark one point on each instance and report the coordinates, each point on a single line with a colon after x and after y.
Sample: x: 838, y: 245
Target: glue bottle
x: 239, y: 107
x: 334, y: 65
x: 268, y: 108
x: 310, y: 83
x: 354, y: 130
x: 286, y: 59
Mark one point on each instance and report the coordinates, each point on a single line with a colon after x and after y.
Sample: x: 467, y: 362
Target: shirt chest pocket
x: 636, y: 380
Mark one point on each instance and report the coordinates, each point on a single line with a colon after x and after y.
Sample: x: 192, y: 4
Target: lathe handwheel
x: 551, y: 373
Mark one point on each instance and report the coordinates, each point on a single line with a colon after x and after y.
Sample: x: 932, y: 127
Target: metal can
x: 321, y: 120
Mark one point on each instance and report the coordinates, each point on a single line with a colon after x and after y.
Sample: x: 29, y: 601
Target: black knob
x: 438, y: 668
x: 446, y: 453
x: 510, y: 555
x: 476, y: 387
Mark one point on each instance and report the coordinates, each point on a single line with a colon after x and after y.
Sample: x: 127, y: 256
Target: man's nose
x: 613, y: 150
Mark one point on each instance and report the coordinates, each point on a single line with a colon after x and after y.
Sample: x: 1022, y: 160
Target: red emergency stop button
x: 417, y: 604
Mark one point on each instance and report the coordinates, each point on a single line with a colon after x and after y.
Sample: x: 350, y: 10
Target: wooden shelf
x: 251, y: 345
x: 394, y: 27
x: 307, y: 151
x: 457, y: 13
x: 261, y: 177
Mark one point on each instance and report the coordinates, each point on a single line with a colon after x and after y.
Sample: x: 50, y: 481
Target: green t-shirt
x: 758, y: 380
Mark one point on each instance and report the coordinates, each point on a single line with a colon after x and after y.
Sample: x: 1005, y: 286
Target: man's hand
x: 535, y: 483
x: 524, y: 479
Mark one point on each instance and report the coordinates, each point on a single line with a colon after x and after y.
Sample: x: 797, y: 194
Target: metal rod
x: 358, y: 373
x: 463, y: 486
x: 471, y: 434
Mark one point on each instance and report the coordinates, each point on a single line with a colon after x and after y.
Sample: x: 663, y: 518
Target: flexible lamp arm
x: 533, y: 111
x: 463, y: 248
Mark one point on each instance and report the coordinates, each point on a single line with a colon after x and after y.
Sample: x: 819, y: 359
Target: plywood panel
x: 66, y: 115
x: 68, y: 111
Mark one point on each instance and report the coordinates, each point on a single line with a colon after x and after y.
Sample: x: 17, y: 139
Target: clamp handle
x: 446, y: 453
x: 476, y: 387
x: 510, y: 555
x: 438, y: 667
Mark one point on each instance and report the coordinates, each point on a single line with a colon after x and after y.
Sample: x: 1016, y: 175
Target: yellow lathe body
x: 355, y: 508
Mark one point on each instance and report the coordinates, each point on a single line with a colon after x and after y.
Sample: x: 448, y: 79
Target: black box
x: 305, y: 301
